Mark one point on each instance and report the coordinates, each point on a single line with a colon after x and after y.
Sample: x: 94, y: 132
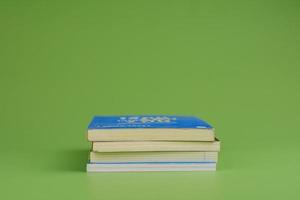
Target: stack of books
x: 151, y: 143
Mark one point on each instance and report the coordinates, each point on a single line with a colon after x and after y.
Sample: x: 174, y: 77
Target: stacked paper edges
x: 151, y: 143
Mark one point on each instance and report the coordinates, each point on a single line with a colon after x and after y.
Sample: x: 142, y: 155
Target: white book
x: 151, y: 167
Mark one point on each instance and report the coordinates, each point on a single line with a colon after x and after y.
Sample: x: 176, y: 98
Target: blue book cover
x: 148, y: 121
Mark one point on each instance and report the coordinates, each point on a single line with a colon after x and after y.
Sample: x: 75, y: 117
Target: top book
x: 149, y: 128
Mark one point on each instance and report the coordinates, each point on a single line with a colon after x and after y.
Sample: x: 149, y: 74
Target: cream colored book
x: 155, y: 146
x: 114, y: 157
x: 149, y: 128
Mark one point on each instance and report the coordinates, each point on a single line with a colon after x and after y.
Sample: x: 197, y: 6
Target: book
x: 167, y: 166
x: 149, y: 128
x: 128, y: 146
x: 131, y: 157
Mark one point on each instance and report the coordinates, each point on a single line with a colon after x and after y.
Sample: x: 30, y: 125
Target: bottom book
x: 151, y: 166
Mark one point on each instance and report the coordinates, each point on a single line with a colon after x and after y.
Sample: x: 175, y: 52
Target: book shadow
x: 71, y: 160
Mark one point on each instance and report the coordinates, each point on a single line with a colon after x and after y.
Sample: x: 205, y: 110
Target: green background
x: 235, y: 64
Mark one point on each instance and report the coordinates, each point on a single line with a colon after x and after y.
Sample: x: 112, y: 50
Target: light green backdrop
x: 235, y: 64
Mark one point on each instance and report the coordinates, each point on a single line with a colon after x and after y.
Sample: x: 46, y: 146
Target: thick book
x: 133, y: 157
x: 166, y: 166
x: 125, y: 146
x: 149, y: 128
